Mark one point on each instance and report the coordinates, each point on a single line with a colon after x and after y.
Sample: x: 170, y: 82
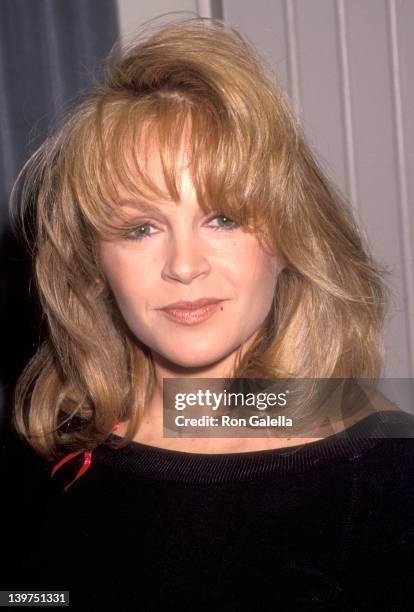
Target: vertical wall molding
x: 293, y: 63
x: 210, y: 8
x: 401, y: 171
x: 346, y: 104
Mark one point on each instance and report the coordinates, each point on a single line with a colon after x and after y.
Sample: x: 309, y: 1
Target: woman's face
x: 177, y: 253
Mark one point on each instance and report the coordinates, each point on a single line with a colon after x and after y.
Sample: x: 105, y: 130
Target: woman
x: 184, y: 177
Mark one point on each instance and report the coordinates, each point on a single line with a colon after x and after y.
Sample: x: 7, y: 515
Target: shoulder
x: 396, y: 423
x: 394, y: 450
x: 384, y: 478
x: 379, y: 529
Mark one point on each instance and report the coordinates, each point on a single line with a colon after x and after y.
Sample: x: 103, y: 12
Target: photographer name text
x: 227, y: 421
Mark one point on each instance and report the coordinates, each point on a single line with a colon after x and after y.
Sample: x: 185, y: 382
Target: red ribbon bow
x: 87, y: 460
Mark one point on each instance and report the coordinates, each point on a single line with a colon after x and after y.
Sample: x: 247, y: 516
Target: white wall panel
x: 401, y: 16
x: 268, y: 34
x: 321, y: 89
x: 133, y: 13
x: 347, y: 66
x: 371, y: 88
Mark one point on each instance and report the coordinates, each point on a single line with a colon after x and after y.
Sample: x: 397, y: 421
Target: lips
x: 187, y: 305
x: 192, y: 313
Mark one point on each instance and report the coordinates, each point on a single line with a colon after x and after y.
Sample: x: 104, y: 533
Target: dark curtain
x: 50, y: 50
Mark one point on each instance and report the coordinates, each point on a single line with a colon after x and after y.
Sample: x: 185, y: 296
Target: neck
x: 224, y: 368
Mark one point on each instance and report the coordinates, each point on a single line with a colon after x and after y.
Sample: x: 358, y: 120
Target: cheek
x: 258, y: 272
x: 121, y: 275
x: 113, y: 269
x: 264, y: 285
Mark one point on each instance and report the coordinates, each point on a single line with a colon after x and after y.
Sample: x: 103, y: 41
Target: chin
x: 193, y: 361
x: 192, y: 358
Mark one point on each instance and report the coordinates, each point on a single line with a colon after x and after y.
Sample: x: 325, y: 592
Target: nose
x: 186, y: 259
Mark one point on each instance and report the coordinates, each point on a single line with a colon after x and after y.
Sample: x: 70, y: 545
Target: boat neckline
x: 155, y: 463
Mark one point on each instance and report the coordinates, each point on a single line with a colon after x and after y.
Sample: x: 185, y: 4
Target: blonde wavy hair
x: 249, y: 161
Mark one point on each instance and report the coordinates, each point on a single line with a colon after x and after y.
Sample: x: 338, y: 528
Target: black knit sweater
x: 322, y: 526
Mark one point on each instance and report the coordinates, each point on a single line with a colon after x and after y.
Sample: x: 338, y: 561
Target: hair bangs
x: 141, y: 148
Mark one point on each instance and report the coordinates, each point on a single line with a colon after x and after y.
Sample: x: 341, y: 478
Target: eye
x: 139, y: 233
x: 228, y: 223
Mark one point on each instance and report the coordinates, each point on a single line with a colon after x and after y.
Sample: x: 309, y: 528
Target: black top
x: 327, y: 525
